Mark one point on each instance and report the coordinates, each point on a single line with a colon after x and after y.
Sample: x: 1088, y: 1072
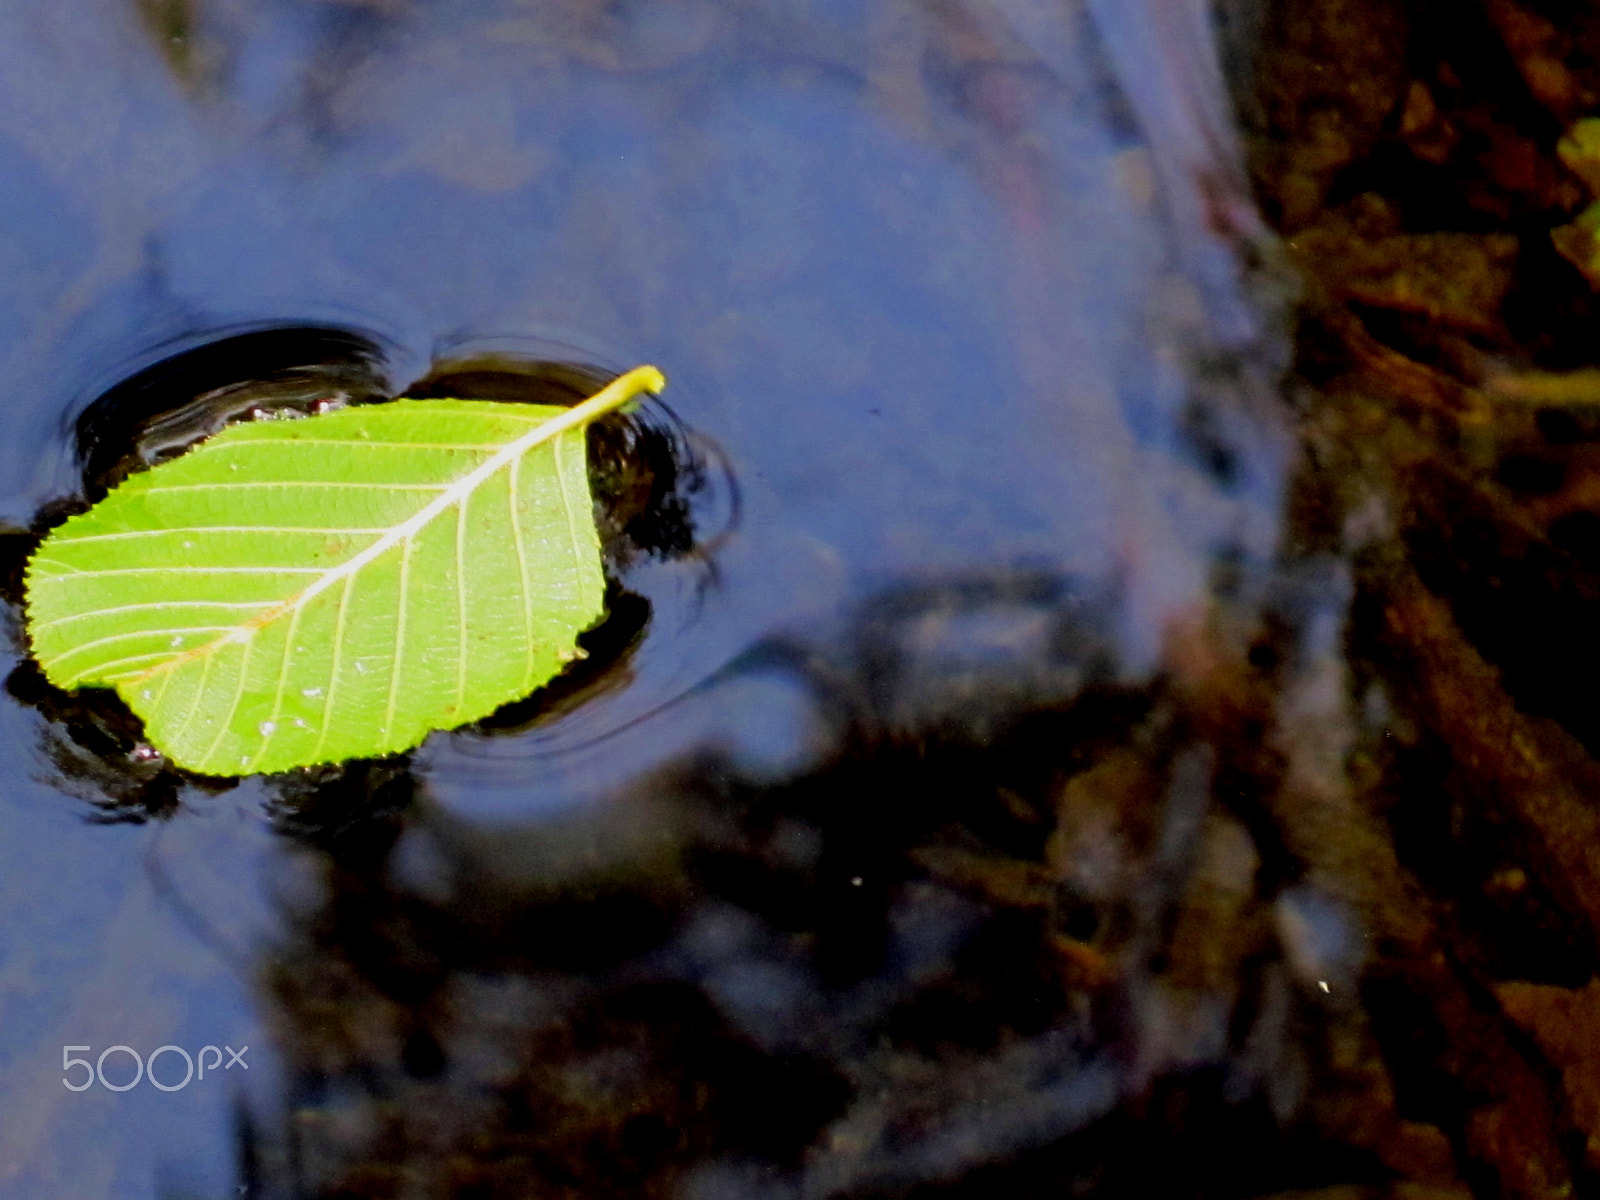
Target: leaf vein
x: 238, y: 695
x: 333, y: 671
x: 365, y: 443
x: 461, y: 603
x: 399, y: 638
x: 199, y: 693
x: 162, y: 604
x: 565, y: 489
x: 258, y: 485
x: 82, y: 575
x: 283, y: 674
x: 100, y: 668
x: 132, y: 633
x: 524, y: 592
x: 148, y: 533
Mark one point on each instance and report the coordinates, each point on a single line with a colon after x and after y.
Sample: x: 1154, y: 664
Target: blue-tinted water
x: 935, y: 284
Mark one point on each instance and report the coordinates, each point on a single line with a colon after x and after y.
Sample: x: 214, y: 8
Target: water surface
x: 937, y: 294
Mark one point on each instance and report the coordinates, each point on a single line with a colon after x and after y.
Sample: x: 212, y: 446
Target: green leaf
x: 302, y: 591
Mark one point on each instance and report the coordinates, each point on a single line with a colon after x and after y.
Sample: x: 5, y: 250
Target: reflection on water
x: 807, y: 894
x: 1000, y: 947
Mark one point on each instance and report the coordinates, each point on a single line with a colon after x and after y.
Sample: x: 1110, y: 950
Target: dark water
x: 950, y: 301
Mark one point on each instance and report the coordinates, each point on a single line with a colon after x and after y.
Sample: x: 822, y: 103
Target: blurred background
x: 1095, y: 699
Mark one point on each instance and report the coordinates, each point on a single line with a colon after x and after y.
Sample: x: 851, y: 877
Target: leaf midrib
x: 613, y: 396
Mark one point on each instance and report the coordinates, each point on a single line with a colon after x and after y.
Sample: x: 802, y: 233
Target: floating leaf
x: 302, y: 591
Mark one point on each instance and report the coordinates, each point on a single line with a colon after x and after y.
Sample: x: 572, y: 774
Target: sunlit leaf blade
x: 296, y: 592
